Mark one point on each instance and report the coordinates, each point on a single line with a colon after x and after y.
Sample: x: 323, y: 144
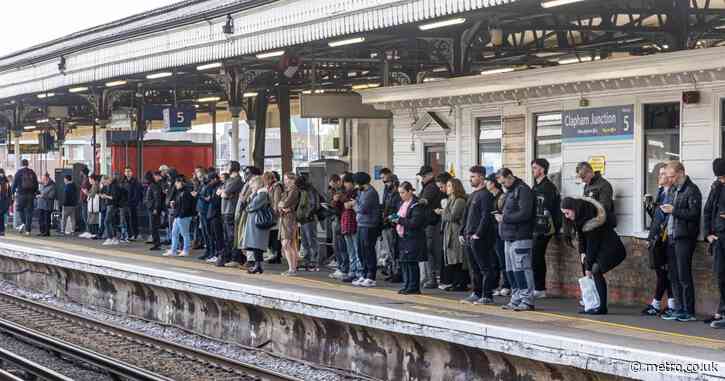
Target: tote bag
x: 590, y: 297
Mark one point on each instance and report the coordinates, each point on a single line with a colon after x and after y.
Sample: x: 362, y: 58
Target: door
x: 435, y: 157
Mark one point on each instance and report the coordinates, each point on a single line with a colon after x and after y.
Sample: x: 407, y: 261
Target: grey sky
x: 31, y: 22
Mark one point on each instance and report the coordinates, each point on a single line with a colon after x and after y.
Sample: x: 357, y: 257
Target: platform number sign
x: 603, y: 123
x: 178, y: 119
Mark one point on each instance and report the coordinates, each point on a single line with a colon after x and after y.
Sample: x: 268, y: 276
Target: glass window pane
x: 548, y: 143
x: 661, y: 140
x: 490, y: 132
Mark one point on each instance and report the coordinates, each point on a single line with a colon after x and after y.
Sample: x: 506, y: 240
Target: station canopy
x: 239, y: 50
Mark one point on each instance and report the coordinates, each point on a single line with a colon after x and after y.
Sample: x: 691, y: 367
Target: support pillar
x: 17, y: 150
x: 234, y: 142
x: 140, y: 132
x: 212, y: 110
x: 285, y: 128
x: 260, y: 129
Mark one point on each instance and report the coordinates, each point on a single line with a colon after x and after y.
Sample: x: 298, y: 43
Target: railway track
x: 121, y: 352
x: 29, y: 368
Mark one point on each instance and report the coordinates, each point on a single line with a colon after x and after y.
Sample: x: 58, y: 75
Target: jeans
x: 483, y: 265
x: 181, y: 227
x: 355, y: 267
x: 539, y: 262
x: 204, y: 229
x: 216, y: 236
x: 434, y: 243
x: 411, y: 276
x: 228, y: 224
x: 310, y: 244
x: 155, y: 220
x: 123, y: 222
x: 501, y: 265
x: 44, y: 221
x: 518, y: 266
x: 679, y: 258
x: 366, y: 238
x: 132, y: 222
x: 25, y: 210
x: 112, y: 218
x: 343, y: 261
x: 69, y: 213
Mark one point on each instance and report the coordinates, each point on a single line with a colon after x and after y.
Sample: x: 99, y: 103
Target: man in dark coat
x: 516, y: 225
x: 598, y: 188
x: 135, y: 197
x: 478, y: 237
x: 715, y: 235
x: 154, y: 203
x: 683, y: 228
x: 25, y: 187
x: 548, y: 221
x: 431, y: 197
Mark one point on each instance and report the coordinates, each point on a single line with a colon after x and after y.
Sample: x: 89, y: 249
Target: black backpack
x: 27, y: 183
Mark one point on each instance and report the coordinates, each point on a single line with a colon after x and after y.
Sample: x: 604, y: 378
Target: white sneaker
x: 337, y: 275
x: 358, y: 281
x: 107, y: 242
x: 367, y: 283
x: 20, y: 228
x: 212, y: 260
x: 83, y: 235
x: 115, y: 242
x: 169, y: 253
x: 539, y: 294
x: 504, y: 292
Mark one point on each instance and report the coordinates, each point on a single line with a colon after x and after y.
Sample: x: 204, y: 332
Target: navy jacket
x: 367, y: 207
x: 518, y: 213
x: 70, y: 195
x: 135, y: 192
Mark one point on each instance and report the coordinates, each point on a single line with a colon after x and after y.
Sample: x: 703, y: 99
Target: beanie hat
x: 718, y: 167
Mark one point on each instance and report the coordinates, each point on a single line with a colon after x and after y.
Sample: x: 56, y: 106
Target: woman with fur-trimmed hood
x: 599, y: 245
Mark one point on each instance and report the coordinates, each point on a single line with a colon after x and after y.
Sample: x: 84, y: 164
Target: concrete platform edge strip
x: 589, y: 355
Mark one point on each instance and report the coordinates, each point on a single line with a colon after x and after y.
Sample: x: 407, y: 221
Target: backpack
x: 308, y: 206
x: 264, y: 218
x: 26, y: 182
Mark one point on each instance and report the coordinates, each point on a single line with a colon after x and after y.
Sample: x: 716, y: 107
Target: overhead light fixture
x: 210, y: 66
x: 442, y: 24
x: 28, y: 128
x: 558, y: 3
x: 307, y: 92
x: 498, y: 71
x: 45, y: 95
x: 575, y: 60
x: 41, y: 121
x: 249, y: 95
x: 78, y: 89
x: 366, y: 86
x: 116, y: 83
x: 159, y: 75
x: 208, y: 99
x: 349, y: 41
x: 278, y: 53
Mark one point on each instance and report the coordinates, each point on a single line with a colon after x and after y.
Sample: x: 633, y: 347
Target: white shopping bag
x: 590, y: 297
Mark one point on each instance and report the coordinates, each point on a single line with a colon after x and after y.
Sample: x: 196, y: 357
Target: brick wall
x: 633, y: 282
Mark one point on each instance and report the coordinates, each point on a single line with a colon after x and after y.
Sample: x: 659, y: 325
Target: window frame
x: 535, y: 119
x: 482, y: 142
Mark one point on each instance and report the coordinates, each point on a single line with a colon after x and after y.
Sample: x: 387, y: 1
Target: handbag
x: 264, y: 218
x: 590, y: 297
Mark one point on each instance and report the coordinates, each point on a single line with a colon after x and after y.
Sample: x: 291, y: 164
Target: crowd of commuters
x: 492, y: 241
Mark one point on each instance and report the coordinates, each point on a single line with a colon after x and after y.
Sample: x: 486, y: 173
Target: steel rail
x: 226, y: 363
x: 28, y: 366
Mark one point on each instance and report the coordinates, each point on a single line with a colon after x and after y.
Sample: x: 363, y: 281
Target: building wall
x: 632, y: 282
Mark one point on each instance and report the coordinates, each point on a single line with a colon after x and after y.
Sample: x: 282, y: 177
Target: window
x: 662, y: 140
x: 548, y: 143
x: 489, y: 143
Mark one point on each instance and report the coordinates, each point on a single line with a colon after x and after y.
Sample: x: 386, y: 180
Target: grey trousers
x: 518, y: 267
x: 68, y: 222
x: 434, y: 244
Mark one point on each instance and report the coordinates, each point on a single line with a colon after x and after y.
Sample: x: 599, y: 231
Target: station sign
x: 595, y: 124
x: 178, y: 119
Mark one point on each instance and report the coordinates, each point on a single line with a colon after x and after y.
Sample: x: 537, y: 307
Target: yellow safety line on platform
x: 429, y: 301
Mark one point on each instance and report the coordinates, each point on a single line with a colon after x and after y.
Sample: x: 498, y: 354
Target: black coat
x: 431, y: 197
x: 154, y: 198
x: 412, y: 245
x: 547, y: 191
x: 6, y: 196
x: 518, y: 213
x: 687, y: 210
x: 714, y: 207
x: 185, y: 203
x: 601, y: 243
x: 477, y: 218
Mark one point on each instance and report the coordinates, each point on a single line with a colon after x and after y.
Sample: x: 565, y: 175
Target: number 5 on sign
x: 180, y: 117
x: 625, y: 121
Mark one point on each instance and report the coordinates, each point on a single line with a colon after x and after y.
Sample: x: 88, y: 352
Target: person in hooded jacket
x: 45, y: 202
x: 154, y: 203
x: 603, y: 248
x: 185, y: 210
x: 6, y: 199
x: 410, y: 226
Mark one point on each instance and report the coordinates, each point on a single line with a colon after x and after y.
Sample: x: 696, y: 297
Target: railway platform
x: 430, y: 336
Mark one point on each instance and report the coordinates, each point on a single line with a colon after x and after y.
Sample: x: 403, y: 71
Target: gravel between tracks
x: 67, y: 367
x: 259, y: 358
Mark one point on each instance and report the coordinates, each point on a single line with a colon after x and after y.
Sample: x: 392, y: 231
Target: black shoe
x: 596, y: 311
x: 650, y: 310
x: 255, y: 270
x: 410, y: 292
